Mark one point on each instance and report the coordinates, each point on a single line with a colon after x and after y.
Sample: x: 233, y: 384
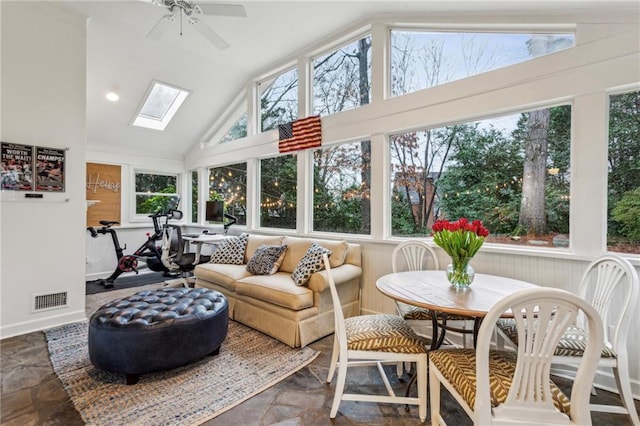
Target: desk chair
x: 174, y: 257
x: 605, y: 277
x: 505, y: 388
x: 373, y: 340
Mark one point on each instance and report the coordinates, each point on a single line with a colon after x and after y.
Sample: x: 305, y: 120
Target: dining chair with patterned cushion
x: 414, y: 255
x: 506, y: 387
x: 610, y: 283
x: 374, y: 340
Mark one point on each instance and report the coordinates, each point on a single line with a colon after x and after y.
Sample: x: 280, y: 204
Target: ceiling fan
x: 191, y: 11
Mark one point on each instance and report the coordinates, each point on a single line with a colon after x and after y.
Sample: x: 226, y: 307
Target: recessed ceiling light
x: 112, y: 96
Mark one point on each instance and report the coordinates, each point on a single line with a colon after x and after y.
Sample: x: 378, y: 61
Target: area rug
x: 249, y: 362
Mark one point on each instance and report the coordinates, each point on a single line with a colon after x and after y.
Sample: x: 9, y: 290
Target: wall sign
x: 103, y: 185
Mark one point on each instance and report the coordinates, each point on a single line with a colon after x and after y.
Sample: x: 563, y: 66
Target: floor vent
x: 43, y: 302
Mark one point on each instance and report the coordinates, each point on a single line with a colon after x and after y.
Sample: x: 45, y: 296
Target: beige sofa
x: 274, y: 304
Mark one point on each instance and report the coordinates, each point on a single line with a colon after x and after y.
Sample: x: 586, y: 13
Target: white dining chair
x: 610, y: 283
x: 507, y: 388
x: 374, y: 340
x: 415, y: 255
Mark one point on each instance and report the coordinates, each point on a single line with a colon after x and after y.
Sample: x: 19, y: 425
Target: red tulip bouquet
x: 461, y: 240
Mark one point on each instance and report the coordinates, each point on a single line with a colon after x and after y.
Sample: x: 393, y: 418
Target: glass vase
x: 460, y: 274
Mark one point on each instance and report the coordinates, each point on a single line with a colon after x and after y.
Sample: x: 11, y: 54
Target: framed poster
x: 50, y: 169
x: 17, y: 167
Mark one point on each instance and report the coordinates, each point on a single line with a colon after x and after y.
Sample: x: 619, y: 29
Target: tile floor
x: 33, y: 395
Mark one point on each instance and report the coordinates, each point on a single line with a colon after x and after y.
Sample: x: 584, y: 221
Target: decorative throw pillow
x: 311, y: 262
x: 231, y: 250
x: 265, y: 260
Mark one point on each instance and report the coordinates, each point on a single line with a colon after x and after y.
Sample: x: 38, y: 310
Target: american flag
x: 300, y: 134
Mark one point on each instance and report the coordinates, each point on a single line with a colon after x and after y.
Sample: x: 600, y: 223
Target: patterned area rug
x: 248, y: 363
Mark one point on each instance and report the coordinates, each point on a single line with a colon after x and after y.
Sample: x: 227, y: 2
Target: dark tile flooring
x: 33, y: 395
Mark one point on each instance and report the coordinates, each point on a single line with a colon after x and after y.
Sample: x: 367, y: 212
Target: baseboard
x: 41, y: 324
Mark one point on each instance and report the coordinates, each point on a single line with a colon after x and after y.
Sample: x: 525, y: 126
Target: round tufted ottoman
x: 157, y: 330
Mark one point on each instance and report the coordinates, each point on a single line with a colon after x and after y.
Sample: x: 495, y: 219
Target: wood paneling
x: 103, y: 185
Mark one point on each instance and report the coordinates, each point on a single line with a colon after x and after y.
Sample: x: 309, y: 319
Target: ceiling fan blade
x: 160, y: 27
x: 209, y: 34
x: 223, y: 9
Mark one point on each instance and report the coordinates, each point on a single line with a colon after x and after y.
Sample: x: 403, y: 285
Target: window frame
x: 138, y: 217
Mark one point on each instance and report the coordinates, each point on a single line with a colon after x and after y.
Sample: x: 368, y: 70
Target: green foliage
x: 624, y: 162
x: 482, y: 179
x: 194, y: 196
x: 402, y: 222
x: 229, y: 184
x: 146, y: 204
x: 627, y: 214
x: 278, y: 184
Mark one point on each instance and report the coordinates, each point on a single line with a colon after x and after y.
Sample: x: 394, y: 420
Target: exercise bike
x: 148, y: 252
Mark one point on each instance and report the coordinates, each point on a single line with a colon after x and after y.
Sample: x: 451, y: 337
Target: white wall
x: 43, y: 104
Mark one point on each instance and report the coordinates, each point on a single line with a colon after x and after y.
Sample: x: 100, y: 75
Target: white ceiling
x: 120, y: 58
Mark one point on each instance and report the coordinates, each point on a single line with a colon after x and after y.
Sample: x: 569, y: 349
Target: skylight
x: 161, y: 104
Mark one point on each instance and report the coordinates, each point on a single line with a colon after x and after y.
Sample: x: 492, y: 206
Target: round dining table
x: 431, y: 290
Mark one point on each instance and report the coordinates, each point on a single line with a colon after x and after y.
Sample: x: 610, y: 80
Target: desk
x: 201, y: 239
x: 432, y: 290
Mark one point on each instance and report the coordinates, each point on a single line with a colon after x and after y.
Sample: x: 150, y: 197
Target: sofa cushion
x: 231, y: 250
x: 266, y: 260
x: 311, y: 262
x: 297, y: 248
x: 278, y: 289
x: 224, y: 275
x: 256, y: 241
x: 338, y: 250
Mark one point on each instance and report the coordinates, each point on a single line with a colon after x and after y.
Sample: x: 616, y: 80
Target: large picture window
x: 229, y: 184
x: 511, y: 172
x: 423, y: 59
x: 341, y: 184
x: 278, y: 192
x: 154, y: 192
x: 342, y: 78
x: 623, y: 225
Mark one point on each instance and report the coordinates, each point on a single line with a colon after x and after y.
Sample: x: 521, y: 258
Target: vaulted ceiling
x: 120, y: 57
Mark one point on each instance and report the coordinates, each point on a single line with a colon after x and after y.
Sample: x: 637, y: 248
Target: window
x: 623, y: 224
x: 155, y: 192
x: 237, y: 131
x: 229, y: 184
x: 423, y: 59
x: 341, y: 183
x: 342, y: 78
x: 278, y: 186
x: 511, y: 172
x: 194, y: 196
x: 278, y: 100
x: 161, y: 104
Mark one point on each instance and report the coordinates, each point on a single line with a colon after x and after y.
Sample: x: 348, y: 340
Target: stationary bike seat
x: 108, y: 223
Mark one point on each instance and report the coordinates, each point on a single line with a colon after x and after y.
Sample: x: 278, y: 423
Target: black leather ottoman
x: 157, y: 330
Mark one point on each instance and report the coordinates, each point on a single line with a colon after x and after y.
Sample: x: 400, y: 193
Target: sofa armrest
x: 319, y: 280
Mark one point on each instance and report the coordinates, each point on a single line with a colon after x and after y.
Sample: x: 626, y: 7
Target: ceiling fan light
x: 112, y: 96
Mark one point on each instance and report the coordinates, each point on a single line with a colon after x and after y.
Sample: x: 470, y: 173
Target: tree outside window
x: 229, y: 184
x: 155, y: 192
x: 278, y: 100
x: 342, y: 78
x: 421, y: 59
x: 341, y: 189
x: 511, y: 172
x: 623, y: 224
x: 194, y: 196
x: 278, y: 192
